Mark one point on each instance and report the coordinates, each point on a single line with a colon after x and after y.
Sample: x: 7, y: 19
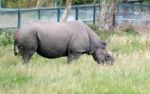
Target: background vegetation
x: 49, y: 3
x: 45, y: 3
x: 129, y: 75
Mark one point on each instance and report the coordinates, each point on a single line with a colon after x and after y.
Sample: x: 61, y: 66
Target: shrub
x: 130, y: 30
x: 6, y: 38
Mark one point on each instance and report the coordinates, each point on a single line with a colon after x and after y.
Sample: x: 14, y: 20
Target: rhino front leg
x: 72, y: 57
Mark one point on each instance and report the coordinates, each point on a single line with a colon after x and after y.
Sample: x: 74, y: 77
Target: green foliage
x: 103, y: 35
x: 6, y: 37
x: 95, y: 28
x: 129, y: 44
x: 77, y: 2
x: 18, y: 3
x: 130, y: 30
x: 82, y: 2
x: 45, y: 3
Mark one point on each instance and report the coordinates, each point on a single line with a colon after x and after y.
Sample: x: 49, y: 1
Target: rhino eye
x: 108, y: 56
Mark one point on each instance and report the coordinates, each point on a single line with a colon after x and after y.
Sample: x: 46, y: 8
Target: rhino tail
x: 15, y: 43
x: 15, y: 46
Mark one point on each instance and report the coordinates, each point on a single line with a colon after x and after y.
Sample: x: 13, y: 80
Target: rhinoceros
x: 60, y: 39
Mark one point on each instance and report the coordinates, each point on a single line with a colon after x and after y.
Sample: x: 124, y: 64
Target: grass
x: 129, y: 75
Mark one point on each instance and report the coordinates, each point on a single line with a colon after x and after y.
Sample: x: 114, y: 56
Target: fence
x: 132, y: 13
x: 12, y: 18
x: 16, y: 17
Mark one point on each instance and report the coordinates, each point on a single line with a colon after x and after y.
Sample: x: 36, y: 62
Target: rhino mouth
x: 106, y: 62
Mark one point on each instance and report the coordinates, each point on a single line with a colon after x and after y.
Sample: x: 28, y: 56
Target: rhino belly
x: 51, y: 51
x: 50, y: 54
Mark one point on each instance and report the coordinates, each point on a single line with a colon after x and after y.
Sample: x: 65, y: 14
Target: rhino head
x: 102, y: 56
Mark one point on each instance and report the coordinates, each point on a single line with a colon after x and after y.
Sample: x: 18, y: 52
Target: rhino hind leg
x: 26, y: 55
x: 73, y: 56
x: 26, y: 58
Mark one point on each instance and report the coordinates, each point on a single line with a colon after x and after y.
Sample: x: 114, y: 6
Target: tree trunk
x: 102, y: 19
x: 94, y: 1
x: 38, y: 3
x: 60, y: 2
x: 51, y: 3
x: 111, y: 19
x: 67, y: 11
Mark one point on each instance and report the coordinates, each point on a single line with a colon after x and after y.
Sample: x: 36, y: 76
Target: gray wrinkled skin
x: 53, y: 39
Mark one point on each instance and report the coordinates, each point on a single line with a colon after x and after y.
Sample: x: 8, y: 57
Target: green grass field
x: 130, y: 73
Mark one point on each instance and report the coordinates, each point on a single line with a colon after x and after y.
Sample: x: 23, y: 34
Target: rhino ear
x: 106, y: 42
x: 103, y: 44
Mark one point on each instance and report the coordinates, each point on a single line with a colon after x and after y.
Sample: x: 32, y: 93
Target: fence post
x: 39, y: 13
x: 19, y: 18
x: 94, y: 13
x: 141, y: 7
x: 0, y: 4
x: 149, y: 9
x: 58, y: 14
x: 133, y: 8
x: 77, y: 12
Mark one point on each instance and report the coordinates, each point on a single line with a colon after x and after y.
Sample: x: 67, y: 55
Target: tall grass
x: 129, y: 75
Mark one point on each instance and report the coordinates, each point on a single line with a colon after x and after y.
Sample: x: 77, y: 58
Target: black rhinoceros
x: 58, y: 39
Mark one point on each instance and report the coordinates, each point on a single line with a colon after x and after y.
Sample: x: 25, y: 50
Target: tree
x: 67, y: 10
x: 111, y: 15
x: 107, y: 19
x: 60, y: 2
x: 38, y: 3
x: 102, y: 19
x: 51, y: 3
